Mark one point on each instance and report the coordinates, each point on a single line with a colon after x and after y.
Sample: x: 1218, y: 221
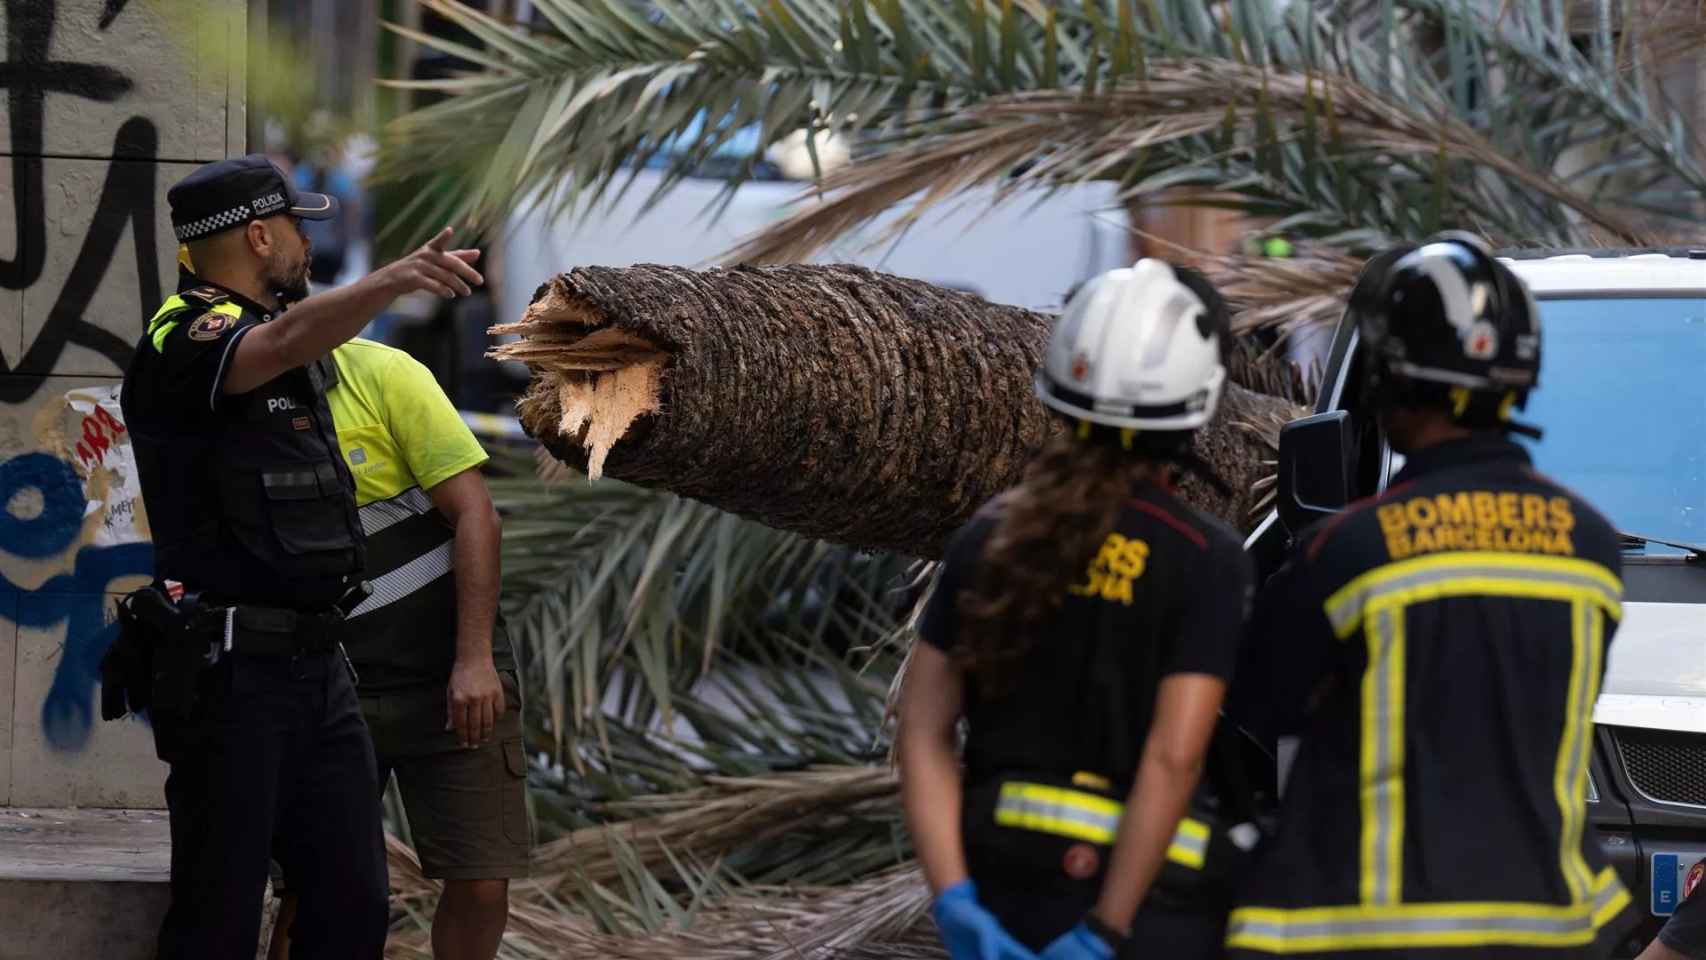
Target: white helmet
x: 1137, y: 348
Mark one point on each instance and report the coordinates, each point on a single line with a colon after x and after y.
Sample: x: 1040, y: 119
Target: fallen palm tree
x: 831, y: 401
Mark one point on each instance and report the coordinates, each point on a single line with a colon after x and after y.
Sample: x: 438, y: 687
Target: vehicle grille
x: 1665, y: 766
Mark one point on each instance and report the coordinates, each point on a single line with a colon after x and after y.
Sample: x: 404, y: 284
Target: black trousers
x: 276, y: 763
x: 1037, y: 912
x: 1022, y: 880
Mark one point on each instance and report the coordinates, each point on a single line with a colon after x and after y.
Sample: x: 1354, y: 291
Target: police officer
x: 1085, y: 624
x: 1439, y: 649
x: 259, y: 551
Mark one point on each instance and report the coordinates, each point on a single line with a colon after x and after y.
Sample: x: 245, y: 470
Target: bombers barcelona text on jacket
x: 1439, y: 650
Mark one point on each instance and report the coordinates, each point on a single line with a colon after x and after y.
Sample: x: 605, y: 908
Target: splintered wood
x: 600, y: 379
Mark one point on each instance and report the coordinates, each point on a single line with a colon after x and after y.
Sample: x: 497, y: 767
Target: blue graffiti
x: 55, y: 527
x: 78, y: 599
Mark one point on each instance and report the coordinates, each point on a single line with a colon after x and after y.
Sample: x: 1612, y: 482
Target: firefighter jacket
x: 1439, y: 651
x: 246, y: 495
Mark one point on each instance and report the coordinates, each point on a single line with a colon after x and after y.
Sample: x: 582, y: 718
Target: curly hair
x: 1047, y: 531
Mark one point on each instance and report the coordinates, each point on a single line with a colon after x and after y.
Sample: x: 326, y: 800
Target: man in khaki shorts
x: 436, y: 675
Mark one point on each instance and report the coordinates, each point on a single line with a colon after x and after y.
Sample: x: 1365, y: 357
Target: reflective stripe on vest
x: 1418, y: 925
x: 1091, y: 817
x: 389, y: 526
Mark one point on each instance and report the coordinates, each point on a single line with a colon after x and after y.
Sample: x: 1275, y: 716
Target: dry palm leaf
x: 707, y: 822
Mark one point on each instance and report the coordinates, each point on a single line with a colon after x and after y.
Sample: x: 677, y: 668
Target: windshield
x: 1622, y: 400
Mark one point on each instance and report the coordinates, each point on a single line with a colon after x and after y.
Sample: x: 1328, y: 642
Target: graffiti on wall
x: 70, y: 518
x: 74, y: 599
x: 126, y: 200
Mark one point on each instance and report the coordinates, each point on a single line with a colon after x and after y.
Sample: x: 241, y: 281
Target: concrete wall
x: 105, y: 104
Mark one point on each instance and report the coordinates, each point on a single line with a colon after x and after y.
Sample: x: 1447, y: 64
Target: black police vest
x: 254, y: 489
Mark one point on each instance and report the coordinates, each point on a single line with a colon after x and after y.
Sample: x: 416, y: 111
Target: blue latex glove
x: 969, y: 931
x: 1078, y: 944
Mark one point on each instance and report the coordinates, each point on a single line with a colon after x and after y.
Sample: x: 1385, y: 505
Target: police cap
x: 230, y: 193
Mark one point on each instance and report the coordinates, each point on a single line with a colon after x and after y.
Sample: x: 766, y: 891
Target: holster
x: 127, y: 673
x: 158, y: 659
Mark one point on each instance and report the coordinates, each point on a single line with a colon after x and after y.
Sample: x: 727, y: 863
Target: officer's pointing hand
x: 437, y: 269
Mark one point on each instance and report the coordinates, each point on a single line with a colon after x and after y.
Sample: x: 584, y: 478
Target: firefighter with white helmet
x: 1085, y: 624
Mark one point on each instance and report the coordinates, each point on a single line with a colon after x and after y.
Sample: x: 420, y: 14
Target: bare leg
x: 470, y: 919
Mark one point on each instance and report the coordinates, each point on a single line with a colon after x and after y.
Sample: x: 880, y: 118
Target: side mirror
x: 1314, y: 468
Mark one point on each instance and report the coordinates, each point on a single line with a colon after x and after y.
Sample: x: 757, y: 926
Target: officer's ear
x: 259, y: 238
x: 264, y: 236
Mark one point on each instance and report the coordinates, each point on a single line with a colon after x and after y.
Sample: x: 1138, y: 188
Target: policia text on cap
x: 259, y: 552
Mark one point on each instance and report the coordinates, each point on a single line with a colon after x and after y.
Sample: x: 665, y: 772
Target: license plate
x: 1674, y: 875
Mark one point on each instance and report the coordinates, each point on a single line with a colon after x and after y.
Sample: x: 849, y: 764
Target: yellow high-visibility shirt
x: 396, y: 427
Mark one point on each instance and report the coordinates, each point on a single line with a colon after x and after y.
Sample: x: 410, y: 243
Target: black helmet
x: 1445, y: 324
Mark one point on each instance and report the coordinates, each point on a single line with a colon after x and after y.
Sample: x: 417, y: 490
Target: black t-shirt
x: 1166, y: 593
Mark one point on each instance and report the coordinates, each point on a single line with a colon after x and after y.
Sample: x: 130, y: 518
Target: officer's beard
x: 287, y: 281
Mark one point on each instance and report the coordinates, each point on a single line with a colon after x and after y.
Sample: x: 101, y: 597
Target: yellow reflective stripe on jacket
x: 162, y: 323
x: 1091, y: 817
x: 1472, y: 573
x: 1569, y: 779
x: 1416, y: 925
x: 1056, y: 810
x: 1381, y: 771
x: 1190, y: 844
x: 1377, y: 602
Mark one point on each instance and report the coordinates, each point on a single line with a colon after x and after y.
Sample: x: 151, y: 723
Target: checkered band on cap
x: 206, y: 226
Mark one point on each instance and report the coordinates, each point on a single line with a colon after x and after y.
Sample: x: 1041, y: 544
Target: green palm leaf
x: 603, y: 85
x: 618, y: 597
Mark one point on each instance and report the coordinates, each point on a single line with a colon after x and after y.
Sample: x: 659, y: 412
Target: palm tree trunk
x: 832, y: 401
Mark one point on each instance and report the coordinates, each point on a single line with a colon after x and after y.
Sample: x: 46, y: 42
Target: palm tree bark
x: 832, y: 401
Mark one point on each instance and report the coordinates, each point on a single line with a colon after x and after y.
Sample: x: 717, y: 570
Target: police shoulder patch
x: 209, y: 326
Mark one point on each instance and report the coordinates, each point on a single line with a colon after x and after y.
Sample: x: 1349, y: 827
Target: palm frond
x: 1049, y: 139
x: 605, y: 86
x: 880, y: 917
x: 727, y: 819
x: 571, y: 107
x: 618, y: 596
